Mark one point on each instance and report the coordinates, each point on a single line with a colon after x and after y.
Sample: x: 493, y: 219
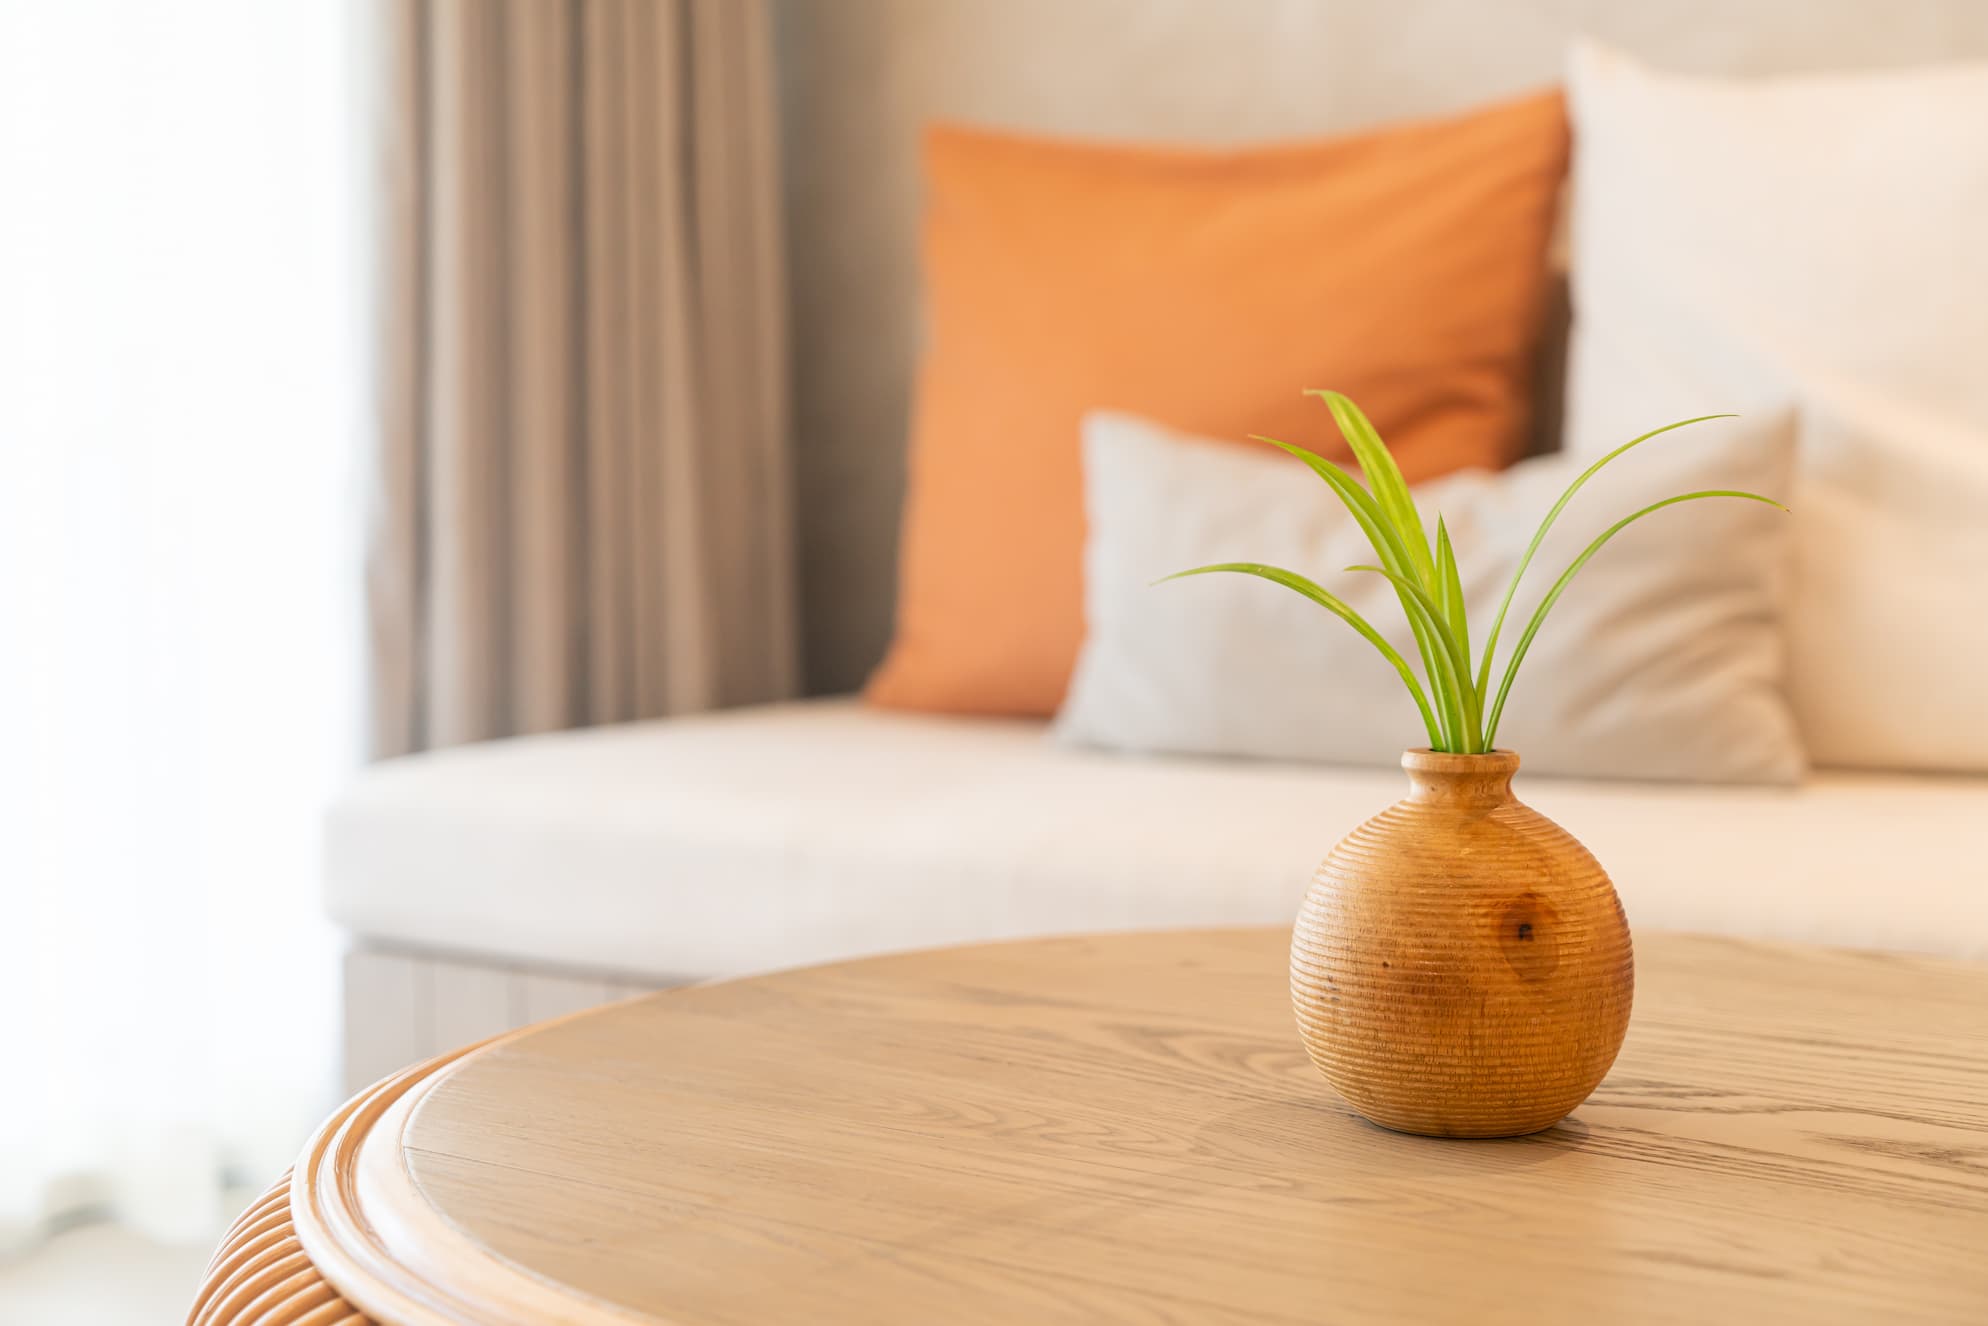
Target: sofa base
x: 404, y: 1005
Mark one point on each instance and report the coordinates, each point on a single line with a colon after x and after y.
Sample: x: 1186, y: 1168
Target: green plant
x: 1426, y: 581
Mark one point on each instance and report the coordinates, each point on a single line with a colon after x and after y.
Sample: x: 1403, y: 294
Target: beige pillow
x: 1664, y: 660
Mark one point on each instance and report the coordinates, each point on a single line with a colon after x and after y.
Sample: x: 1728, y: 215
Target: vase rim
x: 1420, y: 759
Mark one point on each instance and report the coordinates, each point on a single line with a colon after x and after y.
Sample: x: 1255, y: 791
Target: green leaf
x: 1567, y: 577
x: 1539, y: 537
x: 1384, y: 476
x: 1386, y: 541
x: 1450, y: 675
x: 1358, y: 501
x: 1312, y: 591
x: 1449, y: 589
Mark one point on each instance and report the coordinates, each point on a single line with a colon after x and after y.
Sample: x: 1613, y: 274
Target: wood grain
x: 1461, y: 966
x: 1128, y: 1129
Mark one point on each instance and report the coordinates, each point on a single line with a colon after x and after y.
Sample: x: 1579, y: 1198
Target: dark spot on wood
x: 1529, y: 936
x: 1386, y: 964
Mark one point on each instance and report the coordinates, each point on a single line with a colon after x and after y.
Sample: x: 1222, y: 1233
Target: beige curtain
x: 581, y: 508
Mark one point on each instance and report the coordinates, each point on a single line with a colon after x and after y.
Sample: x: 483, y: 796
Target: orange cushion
x: 1205, y: 290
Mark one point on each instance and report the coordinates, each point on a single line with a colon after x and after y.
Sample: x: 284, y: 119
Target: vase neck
x: 1460, y: 780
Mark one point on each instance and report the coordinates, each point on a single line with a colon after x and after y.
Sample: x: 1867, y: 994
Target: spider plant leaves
x: 1567, y: 578
x: 1381, y: 534
x: 1449, y: 594
x: 1429, y: 583
x: 1539, y: 536
x: 1332, y: 604
x: 1449, y: 666
x: 1363, y: 506
x: 1384, y: 476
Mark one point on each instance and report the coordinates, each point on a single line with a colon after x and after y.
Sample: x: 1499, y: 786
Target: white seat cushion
x: 798, y: 833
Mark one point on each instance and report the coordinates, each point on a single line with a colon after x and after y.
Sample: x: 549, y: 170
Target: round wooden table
x: 1126, y: 1128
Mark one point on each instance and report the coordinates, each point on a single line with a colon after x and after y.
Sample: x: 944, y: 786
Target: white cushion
x: 1663, y: 659
x: 1813, y: 243
x: 788, y: 834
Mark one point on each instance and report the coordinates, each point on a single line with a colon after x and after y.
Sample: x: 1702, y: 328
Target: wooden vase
x: 1461, y: 965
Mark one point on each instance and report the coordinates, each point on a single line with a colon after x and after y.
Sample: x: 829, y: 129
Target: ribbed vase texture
x: 1461, y: 966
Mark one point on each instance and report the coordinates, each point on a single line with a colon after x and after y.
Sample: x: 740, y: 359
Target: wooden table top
x: 1126, y: 1128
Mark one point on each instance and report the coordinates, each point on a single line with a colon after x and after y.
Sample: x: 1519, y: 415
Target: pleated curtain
x: 580, y: 505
